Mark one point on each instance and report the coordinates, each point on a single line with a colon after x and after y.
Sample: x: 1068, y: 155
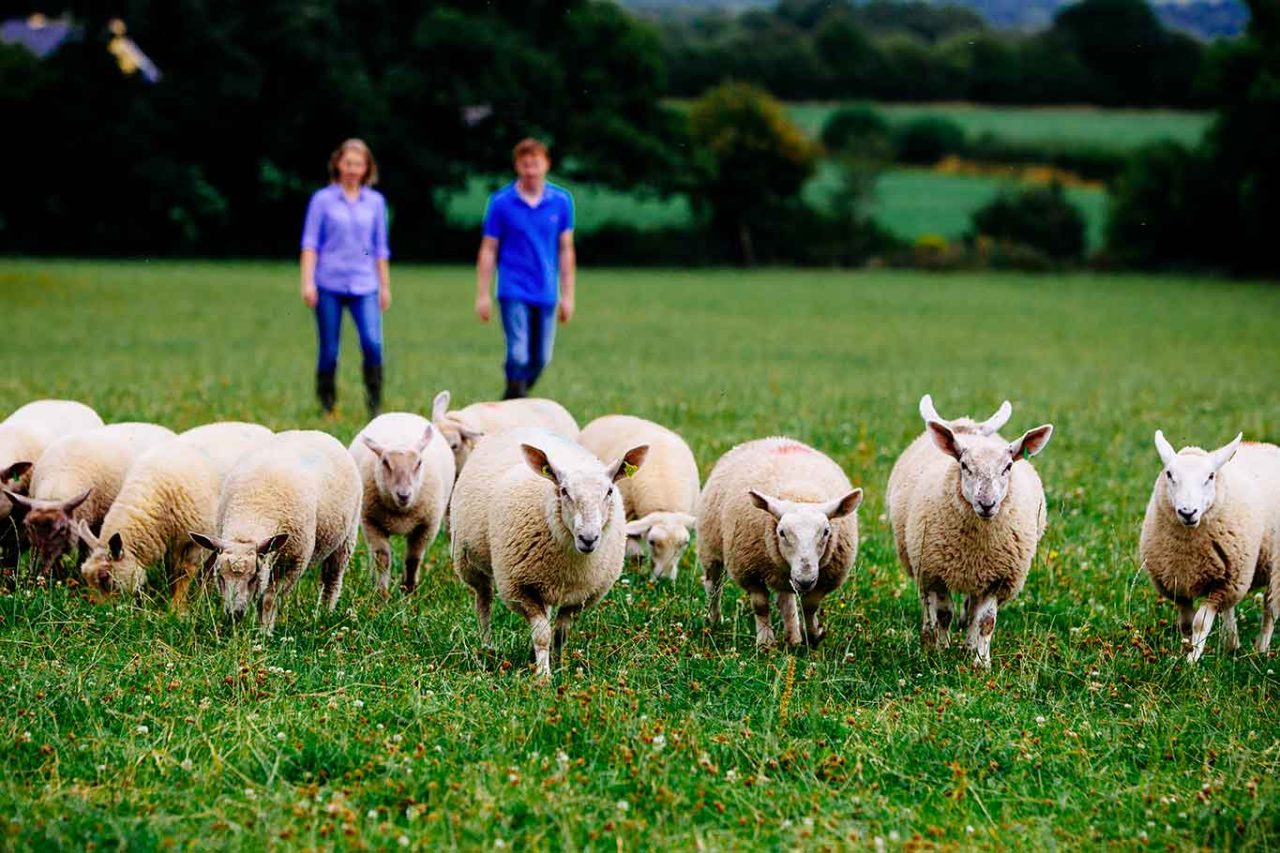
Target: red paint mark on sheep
x: 786, y: 449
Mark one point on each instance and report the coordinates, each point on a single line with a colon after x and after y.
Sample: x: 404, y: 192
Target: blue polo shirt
x: 529, y: 242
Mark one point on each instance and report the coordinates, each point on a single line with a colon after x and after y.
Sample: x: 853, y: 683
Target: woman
x: 346, y: 264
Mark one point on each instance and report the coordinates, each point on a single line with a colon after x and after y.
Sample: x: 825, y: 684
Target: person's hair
x: 357, y: 145
x: 528, y: 146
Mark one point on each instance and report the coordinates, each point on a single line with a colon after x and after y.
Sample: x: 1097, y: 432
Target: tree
x: 754, y: 162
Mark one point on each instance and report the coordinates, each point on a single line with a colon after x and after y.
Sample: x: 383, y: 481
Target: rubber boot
x: 516, y: 388
x: 326, y: 390
x: 373, y: 389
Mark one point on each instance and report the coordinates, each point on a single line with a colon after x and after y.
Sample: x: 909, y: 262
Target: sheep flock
x: 545, y: 516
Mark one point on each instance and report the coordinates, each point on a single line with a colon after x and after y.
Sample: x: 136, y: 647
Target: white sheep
x: 291, y: 502
x: 24, y: 435
x: 1212, y: 531
x: 659, y: 500
x: 968, y: 512
x: 77, y: 479
x: 780, y: 516
x: 537, y: 517
x: 462, y: 428
x: 170, y: 489
x: 408, y: 473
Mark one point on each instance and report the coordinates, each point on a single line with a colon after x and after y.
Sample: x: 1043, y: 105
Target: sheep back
x: 668, y: 480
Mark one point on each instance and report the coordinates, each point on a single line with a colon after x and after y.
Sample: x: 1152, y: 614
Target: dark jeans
x: 368, y: 319
x: 531, y: 333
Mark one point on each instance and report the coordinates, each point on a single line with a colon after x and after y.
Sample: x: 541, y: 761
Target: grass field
x: 382, y: 725
x: 1094, y: 126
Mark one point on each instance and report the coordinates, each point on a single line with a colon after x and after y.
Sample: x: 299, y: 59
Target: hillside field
x: 384, y: 725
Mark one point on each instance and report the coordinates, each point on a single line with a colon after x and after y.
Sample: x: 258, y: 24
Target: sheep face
x: 239, y: 569
x: 111, y: 567
x: 461, y: 439
x: 586, y: 499
x: 803, y: 532
x: 50, y: 528
x: 986, y: 463
x: 666, y: 534
x: 1190, y: 478
x: 15, y: 479
x: 398, y: 471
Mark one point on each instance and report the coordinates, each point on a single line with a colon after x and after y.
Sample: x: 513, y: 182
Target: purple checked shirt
x: 347, y: 237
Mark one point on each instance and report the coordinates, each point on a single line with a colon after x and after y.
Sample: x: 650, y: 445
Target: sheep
x: 1212, y: 531
x: 537, y: 517
x: 169, y: 490
x: 297, y: 497
x: 967, y: 520
x: 462, y: 428
x: 77, y: 478
x: 659, y: 501
x: 24, y: 435
x: 780, y: 516
x: 408, y: 475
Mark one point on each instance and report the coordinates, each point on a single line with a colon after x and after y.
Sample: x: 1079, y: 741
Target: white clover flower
x: 659, y: 742
x: 359, y: 703
x: 142, y: 730
x: 187, y: 764
x: 623, y: 805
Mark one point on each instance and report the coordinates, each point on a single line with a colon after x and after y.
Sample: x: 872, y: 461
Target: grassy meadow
x: 384, y: 725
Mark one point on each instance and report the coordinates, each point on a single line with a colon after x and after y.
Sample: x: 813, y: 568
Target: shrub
x: 926, y: 140
x: 1039, y: 218
x: 858, y: 129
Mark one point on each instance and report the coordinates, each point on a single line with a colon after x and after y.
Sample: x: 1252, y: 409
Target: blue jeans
x: 367, y: 315
x: 531, y: 332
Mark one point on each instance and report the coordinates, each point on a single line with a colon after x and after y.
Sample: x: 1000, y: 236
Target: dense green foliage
x: 128, y: 725
x: 1040, y: 218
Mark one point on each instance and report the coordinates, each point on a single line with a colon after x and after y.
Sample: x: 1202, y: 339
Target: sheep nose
x: 587, y: 544
x: 403, y: 497
x: 986, y: 507
x: 1188, y: 515
x: 806, y: 586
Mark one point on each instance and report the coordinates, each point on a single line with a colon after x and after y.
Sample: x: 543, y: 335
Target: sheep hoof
x: 766, y: 639
x: 982, y: 663
x: 814, y: 639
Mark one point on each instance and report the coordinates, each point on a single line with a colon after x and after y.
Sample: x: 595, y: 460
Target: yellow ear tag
x: 629, y: 469
x: 546, y: 471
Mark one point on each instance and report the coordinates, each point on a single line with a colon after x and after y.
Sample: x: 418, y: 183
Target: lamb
x: 1212, y: 531
x: 780, y: 516
x: 24, y: 435
x: 462, y: 428
x: 77, y: 479
x: 408, y: 475
x: 297, y: 497
x: 967, y: 520
x: 169, y: 490
x: 659, y: 501
x: 537, y: 517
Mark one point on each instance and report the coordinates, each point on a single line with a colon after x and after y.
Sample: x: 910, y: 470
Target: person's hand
x: 484, y: 308
x: 565, y: 311
x: 310, y: 296
x: 384, y: 298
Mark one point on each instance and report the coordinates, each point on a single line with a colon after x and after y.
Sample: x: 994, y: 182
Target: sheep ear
x: 687, y: 520
x: 372, y: 445
x: 993, y: 424
x: 536, y: 458
x: 629, y: 463
x: 20, y: 500
x: 86, y: 535
x: 1223, y: 454
x: 471, y: 436
x: 1031, y: 442
x: 209, y: 543
x: 70, y: 506
x: 425, y: 440
x: 773, y: 506
x: 272, y: 543
x: 1165, y: 449
x: 116, y: 545
x: 640, y: 526
x: 945, y: 439
x: 15, y: 472
x: 840, y: 507
x: 439, y: 406
x: 928, y: 412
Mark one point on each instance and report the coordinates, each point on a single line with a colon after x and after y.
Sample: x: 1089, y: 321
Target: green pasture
x: 385, y: 726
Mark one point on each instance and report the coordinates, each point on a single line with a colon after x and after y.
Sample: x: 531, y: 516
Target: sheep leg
x: 760, y: 604
x: 380, y: 550
x: 1200, y: 628
x: 1186, y: 614
x: 790, y: 617
x: 331, y: 574
x: 1230, y: 633
x: 813, y: 631
x: 713, y: 582
x: 965, y: 612
x: 1269, y: 612
x: 414, y: 549
x: 188, y: 567
x: 564, y: 618
x: 933, y: 634
x: 981, y: 629
x: 283, y: 577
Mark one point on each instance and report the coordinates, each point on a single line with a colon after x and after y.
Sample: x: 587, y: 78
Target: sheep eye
x: 564, y: 492
x: 1008, y: 468
x: 386, y: 464
x: 964, y: 467
x: 1210, y: 480
x: 782, y: 533
x: 1169, y: 474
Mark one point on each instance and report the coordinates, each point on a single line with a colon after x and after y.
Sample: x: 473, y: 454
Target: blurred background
x: 963, y: 134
